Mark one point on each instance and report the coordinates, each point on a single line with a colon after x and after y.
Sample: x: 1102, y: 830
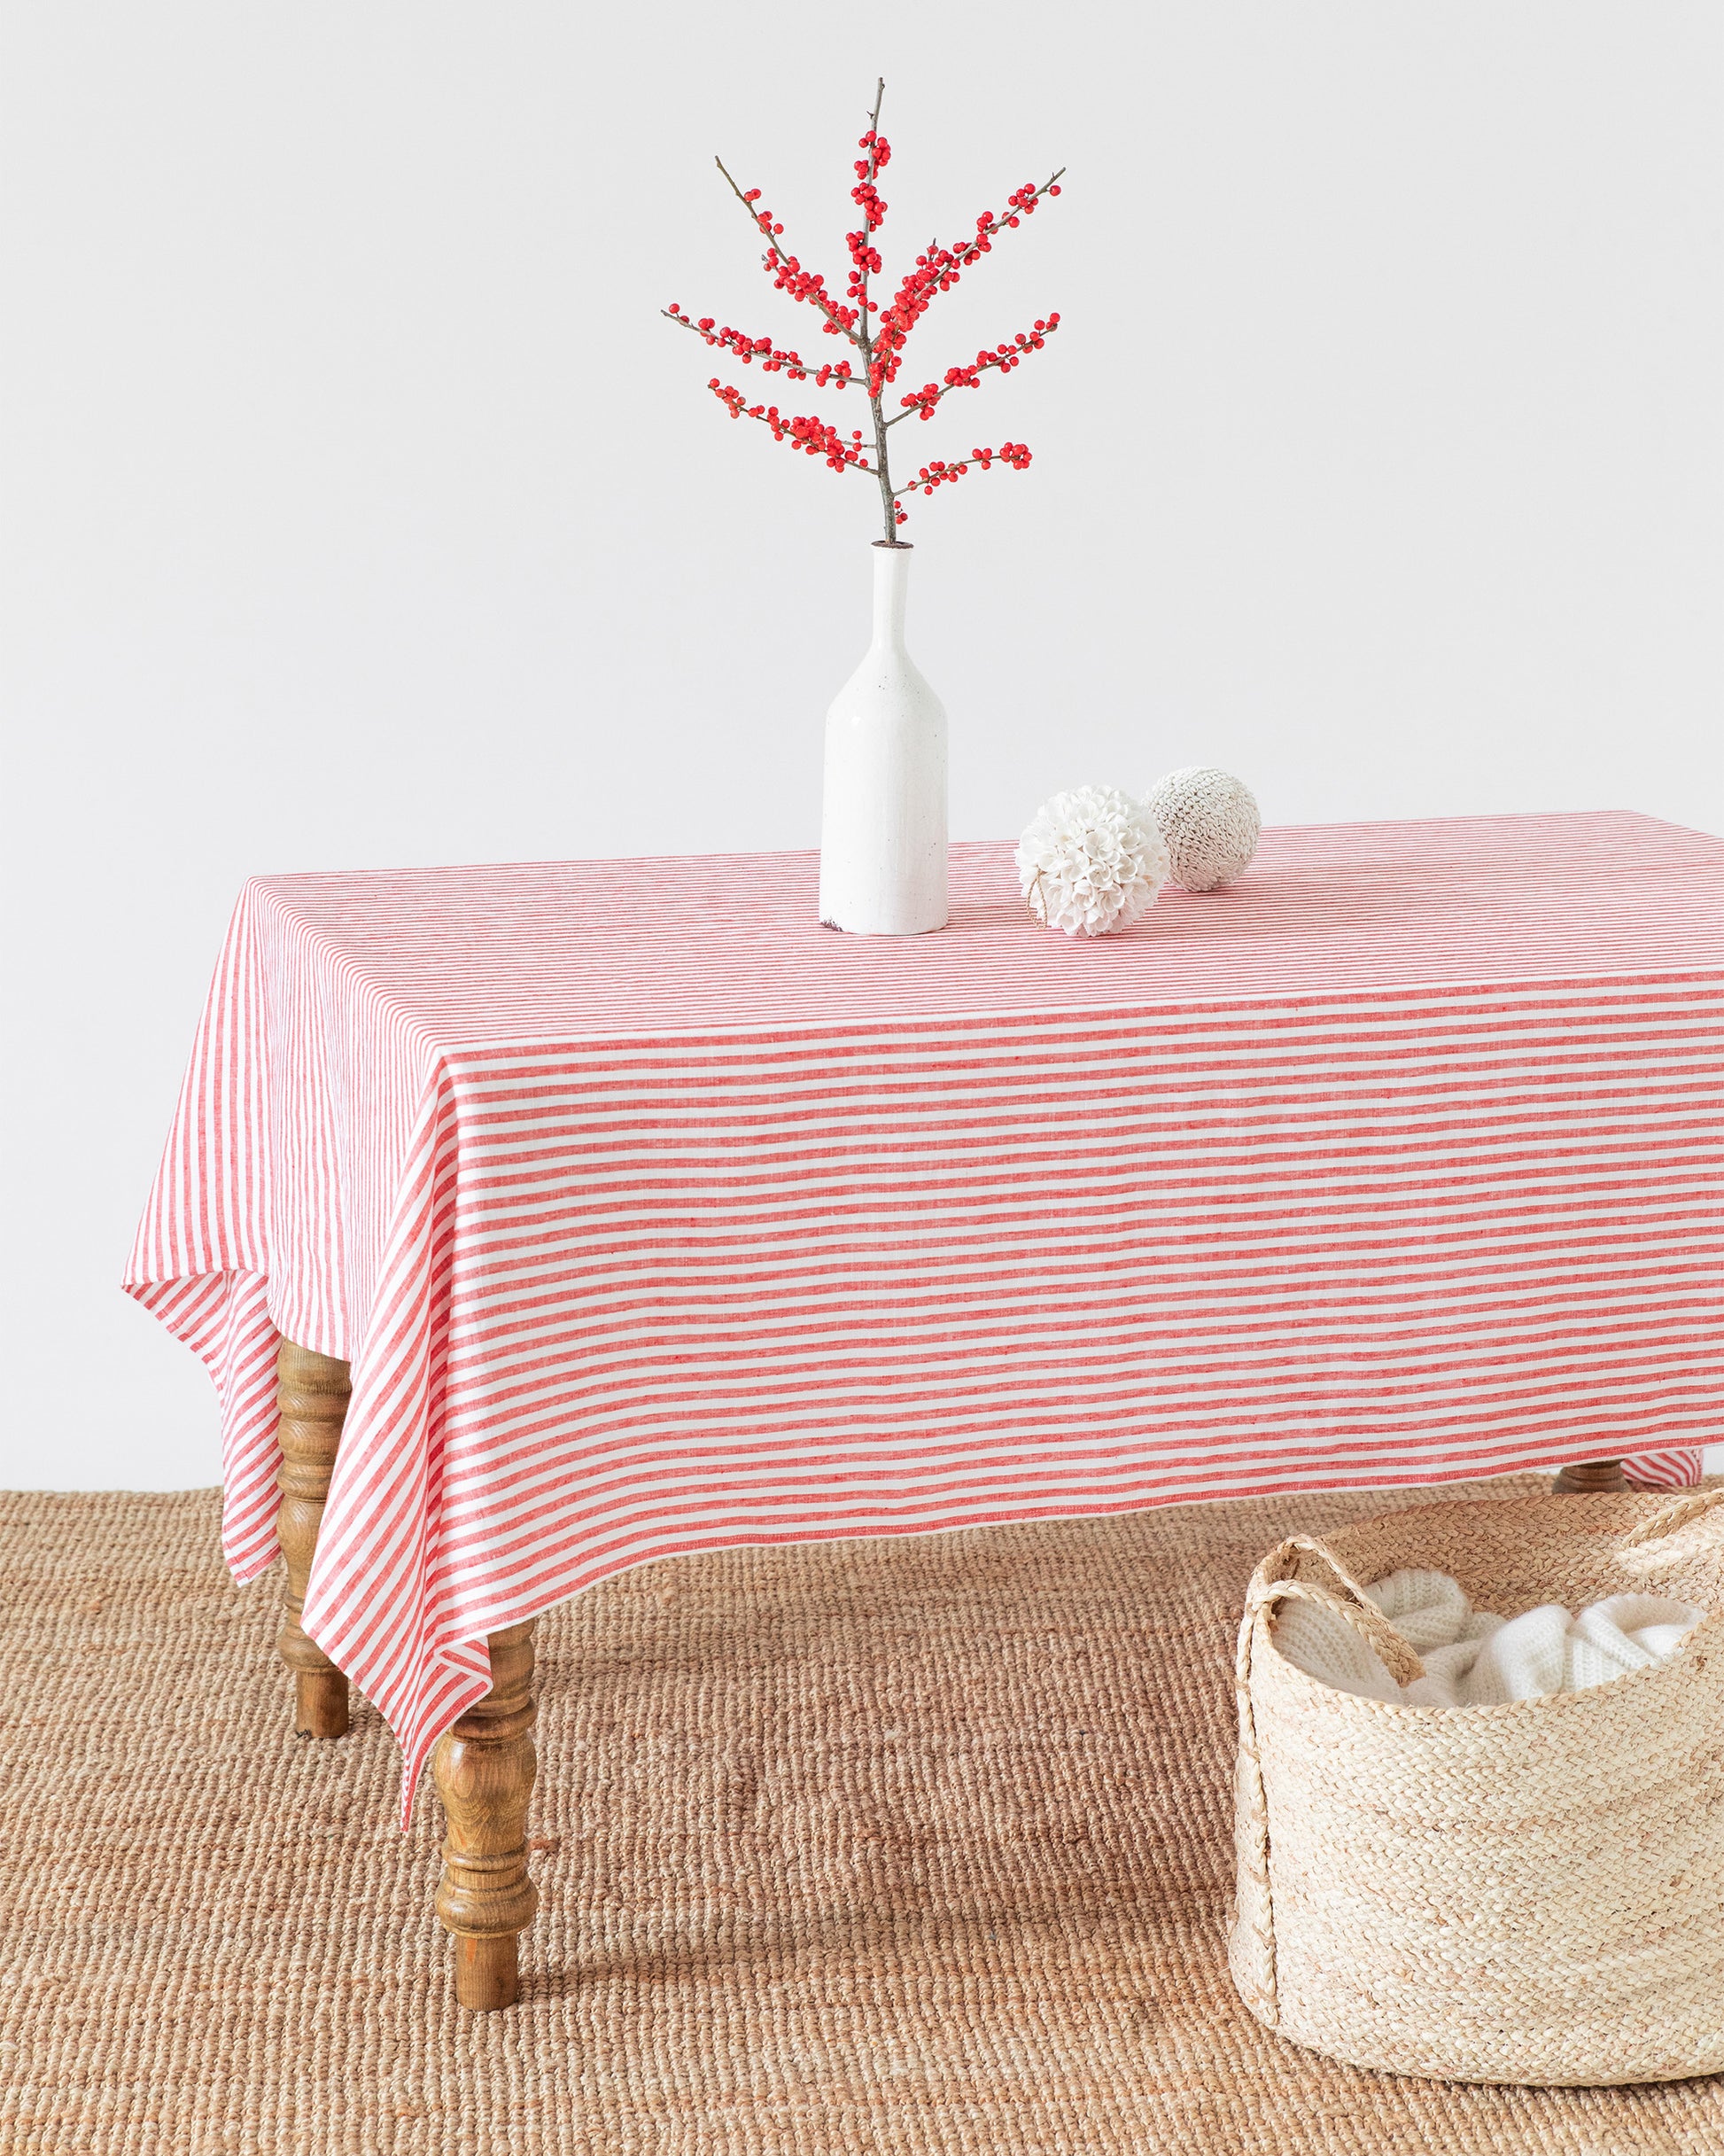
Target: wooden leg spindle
x: 484, y: 1768
x: 311, y: 1393
x: 1588, y: 1474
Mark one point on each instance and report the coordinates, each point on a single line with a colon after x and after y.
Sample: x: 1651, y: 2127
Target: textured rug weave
x: 900, y: 1845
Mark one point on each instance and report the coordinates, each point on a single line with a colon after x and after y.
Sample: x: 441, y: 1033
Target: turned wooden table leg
x: 484, y: 1769
x: 1589, y: 1475
x: 310, y: 1392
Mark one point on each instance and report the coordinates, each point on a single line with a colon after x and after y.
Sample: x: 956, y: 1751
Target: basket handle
x: 1400, y: 1660
x: 1271, y: 1581
x: 1670, y: 1517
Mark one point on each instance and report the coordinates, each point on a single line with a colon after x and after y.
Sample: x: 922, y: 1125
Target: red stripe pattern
x: 654, y: 1218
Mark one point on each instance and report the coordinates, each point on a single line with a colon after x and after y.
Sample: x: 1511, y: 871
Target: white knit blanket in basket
x: 1473, y: 1659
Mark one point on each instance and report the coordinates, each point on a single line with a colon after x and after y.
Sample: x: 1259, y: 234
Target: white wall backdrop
x: 360, y: 510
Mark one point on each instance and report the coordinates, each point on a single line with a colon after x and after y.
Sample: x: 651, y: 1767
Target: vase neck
x: 891, y: 584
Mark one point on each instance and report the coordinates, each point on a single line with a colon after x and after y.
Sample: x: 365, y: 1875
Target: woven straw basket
x: 1529, y: 1893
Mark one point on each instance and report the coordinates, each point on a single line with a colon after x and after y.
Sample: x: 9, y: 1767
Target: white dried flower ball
x: 1092, y: 861
x: 1210, y: 822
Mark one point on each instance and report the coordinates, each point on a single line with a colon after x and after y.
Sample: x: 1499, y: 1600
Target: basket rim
x: 1569, y: 1702
x: 1617, y: 1504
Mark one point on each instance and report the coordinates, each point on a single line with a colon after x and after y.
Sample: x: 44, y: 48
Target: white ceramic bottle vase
x: 884, y: 819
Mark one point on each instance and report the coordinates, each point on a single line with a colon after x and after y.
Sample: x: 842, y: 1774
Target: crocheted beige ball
x: 1209, y: 821
x: 1092, y: 861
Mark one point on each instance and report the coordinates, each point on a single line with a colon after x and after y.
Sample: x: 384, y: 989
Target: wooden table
x: 634, y: 1214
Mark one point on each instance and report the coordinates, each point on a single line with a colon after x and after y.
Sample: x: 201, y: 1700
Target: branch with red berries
x: 879, y: 334
x: 1003, y: 356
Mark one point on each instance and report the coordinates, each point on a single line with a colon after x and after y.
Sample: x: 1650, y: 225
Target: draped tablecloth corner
x: 655, y: 1230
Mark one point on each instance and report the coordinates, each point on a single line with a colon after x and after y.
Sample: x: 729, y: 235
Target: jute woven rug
x: 898, y: 1846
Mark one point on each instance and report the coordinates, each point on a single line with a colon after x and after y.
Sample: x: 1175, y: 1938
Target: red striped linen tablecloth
x: 654, y: 1218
